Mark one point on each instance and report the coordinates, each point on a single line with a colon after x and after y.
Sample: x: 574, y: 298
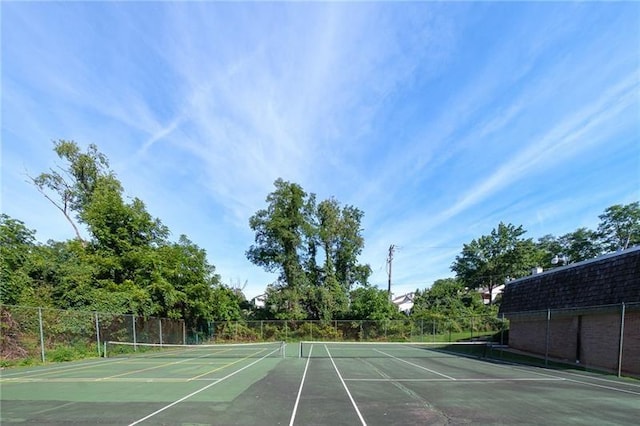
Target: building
x: 404, y: 302
x: 489, y: 297
x: 259, y: 301
x: 586, y: 313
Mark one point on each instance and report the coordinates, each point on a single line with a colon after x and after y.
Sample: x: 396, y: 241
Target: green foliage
x: 290, y: 234
x: 619, y: 226
x: 371, y: 303
x: 127, y: 265
x: 68, y: 353
x: 490, y: 259
x: 279, y: 232
x: 576, y: 246
x: 17, y: 243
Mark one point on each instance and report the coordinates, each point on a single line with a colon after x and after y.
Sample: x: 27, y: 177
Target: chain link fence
x: 29, y: 334
x: 437, y: 329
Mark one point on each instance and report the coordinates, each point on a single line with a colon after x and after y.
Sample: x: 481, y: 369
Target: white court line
x: 99, y: 379
x: 581, y: 382
x: 45, y: 369
x: 346, y: 388
x: 200, y: 390
x: 295, y: 407
x: 519, y: 367
x: 531, y: 379
x: 600, y: 379
x: 415, y: 365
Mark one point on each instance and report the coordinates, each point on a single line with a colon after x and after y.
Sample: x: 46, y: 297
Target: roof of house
x: 606, y: 280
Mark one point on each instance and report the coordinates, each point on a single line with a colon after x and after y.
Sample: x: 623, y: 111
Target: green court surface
x: 315, y: 383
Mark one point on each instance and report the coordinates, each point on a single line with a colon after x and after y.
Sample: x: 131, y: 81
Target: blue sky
x: 438, y: 120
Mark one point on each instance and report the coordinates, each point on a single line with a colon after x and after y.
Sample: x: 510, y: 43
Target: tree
x: 290, y: 234
x: 619, y: 226
x: 581, y: 244
x: 340, y: 234
x: 280, y: 230
x: 489, y: 260
x: 118, y: 226
x: 70, y: 188
x: 371, y: 303
x: 128, y: 263
x: 17, y: 243
x: 576, y: 246
x: 447, y: 296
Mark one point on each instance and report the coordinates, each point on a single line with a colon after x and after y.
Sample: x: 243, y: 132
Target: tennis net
x: 321, y: 349
x: 221, y: 350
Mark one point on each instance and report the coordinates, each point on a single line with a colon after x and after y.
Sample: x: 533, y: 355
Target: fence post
x: 41, y: 333
x: 133, y: 327
x: 472, y: 326
x: 98, y: 333
x: 547, y: 337
x: 502, y: 330
x: 160, y: 329
x: 621, y: 340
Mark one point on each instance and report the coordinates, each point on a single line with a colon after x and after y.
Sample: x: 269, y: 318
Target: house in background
x: 259, y: 301
x: 490, y: 297
x: 404, y: 302
x: 586, y: 313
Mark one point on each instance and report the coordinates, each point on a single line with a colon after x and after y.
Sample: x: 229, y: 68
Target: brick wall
x: 528, y: 335
x: 585, y: 300
x: 593, y: 338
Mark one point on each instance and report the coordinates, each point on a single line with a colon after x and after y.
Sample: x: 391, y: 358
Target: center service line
x: 345, y: 387
x: 295, y: 407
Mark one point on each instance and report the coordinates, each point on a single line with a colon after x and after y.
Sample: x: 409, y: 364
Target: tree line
x: 129, y: 264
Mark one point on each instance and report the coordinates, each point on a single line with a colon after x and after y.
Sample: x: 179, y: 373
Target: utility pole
x: 389, y: 261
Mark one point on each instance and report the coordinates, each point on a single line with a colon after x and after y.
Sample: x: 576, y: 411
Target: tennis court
x: 311, y: 383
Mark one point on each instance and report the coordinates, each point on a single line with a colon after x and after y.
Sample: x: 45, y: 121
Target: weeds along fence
x: 418, y: 330
x: 30, y: 334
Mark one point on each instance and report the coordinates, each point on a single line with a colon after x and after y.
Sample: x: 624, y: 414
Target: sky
x: 438, y: 120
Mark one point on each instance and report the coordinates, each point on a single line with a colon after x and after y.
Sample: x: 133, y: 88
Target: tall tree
x: 349, y: 246
x: 291, y: 233
x: 490, y: 259
x: 280, y: 231
x: 70, y: 187
x: 619, y: 226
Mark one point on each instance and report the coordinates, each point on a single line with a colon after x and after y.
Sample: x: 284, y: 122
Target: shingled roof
x: 607, y: 280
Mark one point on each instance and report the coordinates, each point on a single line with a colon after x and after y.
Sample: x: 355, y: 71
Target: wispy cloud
x: 436, y: 119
